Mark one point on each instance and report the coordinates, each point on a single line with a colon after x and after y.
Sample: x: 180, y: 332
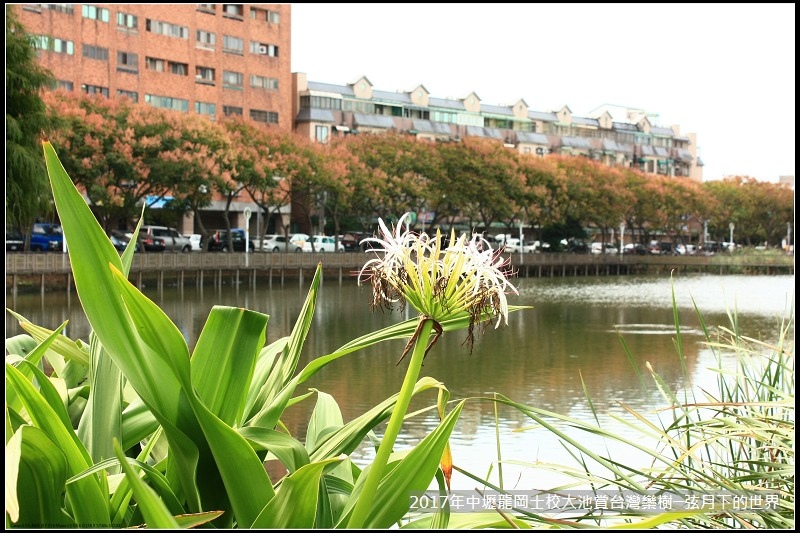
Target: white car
x: 278, y: 243
x: 322, y: 243
x: 528, y: 247
x: 607, y: 248
x: 195, y: 238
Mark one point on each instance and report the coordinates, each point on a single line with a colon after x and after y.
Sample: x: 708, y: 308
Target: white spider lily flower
x: 466, y: 276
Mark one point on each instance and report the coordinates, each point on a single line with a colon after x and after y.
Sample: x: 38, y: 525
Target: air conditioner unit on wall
x: 262, y: 49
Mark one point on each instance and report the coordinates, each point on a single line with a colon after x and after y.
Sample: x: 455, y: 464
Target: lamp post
x: 731, y: 226
x: 788, y: 234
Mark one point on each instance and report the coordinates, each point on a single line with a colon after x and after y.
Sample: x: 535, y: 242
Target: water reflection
x: 570, y: 343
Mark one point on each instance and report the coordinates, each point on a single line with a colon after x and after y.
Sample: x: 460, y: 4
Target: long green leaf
x: 413, y: 473
x: 62, y: 345
x: 295, y: 504
x: 102, y: 420
x: 288, y: 450
x: 275, y: 392
x: 36, y: 472
x: 153, y: 509
x: 346, y: 439
x: 47, y: 412
x: 224, y: 358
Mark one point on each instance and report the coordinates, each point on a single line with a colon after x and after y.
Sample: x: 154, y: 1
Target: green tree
x: 27, y: 187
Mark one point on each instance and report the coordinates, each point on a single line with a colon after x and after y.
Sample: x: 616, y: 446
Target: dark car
x: 636, y: 248
x: 15, y: 240
x: 577, y: 246
x: 352, y: 241
x: 148, y: 243
x: 218, y: 242
x: 120, y: 240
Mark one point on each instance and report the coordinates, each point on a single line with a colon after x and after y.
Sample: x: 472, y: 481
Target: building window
x: 265, y: 14
x: 156, y: 65
x: 260, y: 82
x: 204, y: 75
x: 181, y: 69
x: 358, y: 107
x: 66, y: 85
x: 127, y: 21
x: 165, y: 28
x: 229, y: 110
x: 232, y: 80
x: 69, y: 9
x: 95, y: 52
x: 207, y: 8
x: 320, y: 102
x: 206, y: 39
x: 167, y: 102
x: 233, y: 11
x: 232, y: 45
x: 133, y: 95
x: 270, y: 117
x: 442, y: 116
x: 263, y: 49
x: 206, y: 108
x: 95, y: 89
x: 321, y: 134
x: 127, y: 62
x: 94, y: 13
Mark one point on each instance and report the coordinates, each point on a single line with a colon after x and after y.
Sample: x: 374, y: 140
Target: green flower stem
x: 362, y: 506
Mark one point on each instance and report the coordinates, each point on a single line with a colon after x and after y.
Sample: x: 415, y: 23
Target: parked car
x: 634, y: 248
x: 47, y: 237
x: 173, y: 240
x: 197, y: 241
x: 148, y: 243
x: 604, y: 248
x: 575, y: 246
x: 685, y: 249
x: 120, y: 240
x: 353, y: 241
x: 528, y: 247
x: 279, y: 243
x: 15, y: 240
x: 322, y: 243
x: 218, y: 242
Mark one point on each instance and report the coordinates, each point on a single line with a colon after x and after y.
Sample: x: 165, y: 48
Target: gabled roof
x: 389, y: 96
x: 497, y: 110
x: 624, y: 126
x: 586, y: 121
x: 659, y: 130
x: 446, y: 103
x: 330, y: 88
x: 543, y: 116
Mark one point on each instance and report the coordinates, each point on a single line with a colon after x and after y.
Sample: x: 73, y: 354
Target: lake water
x: 568, y: 345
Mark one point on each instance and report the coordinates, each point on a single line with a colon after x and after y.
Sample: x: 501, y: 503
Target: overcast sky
x: 723, y: 71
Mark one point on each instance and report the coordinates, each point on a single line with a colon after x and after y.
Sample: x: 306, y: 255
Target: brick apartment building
x: 234, y: 59
x: 208, y: 59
